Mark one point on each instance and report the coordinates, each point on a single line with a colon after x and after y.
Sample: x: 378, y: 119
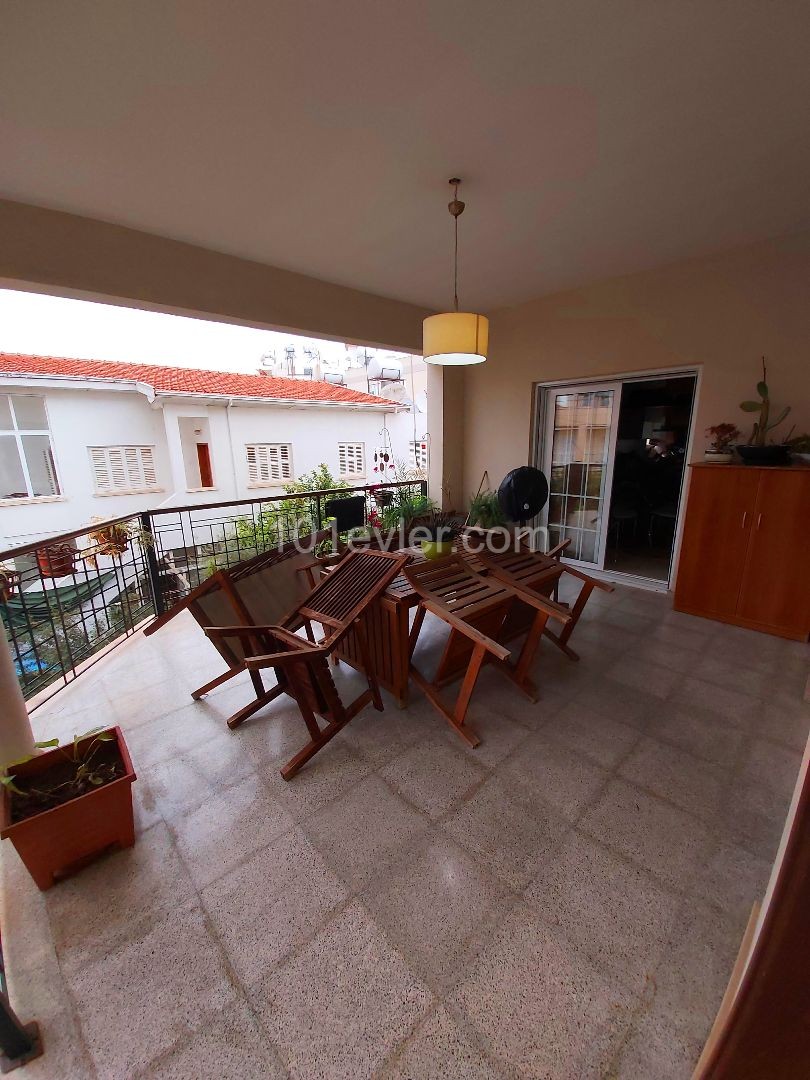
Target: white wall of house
x: 81, y: 417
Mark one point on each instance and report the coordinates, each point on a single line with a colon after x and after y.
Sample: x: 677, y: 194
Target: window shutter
x: 269, y: 463
x: 351, y: 459
x: 123, y: 468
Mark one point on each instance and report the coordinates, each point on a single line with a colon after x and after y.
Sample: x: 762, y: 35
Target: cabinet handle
x: 745, y: 518
x: 759, y: 520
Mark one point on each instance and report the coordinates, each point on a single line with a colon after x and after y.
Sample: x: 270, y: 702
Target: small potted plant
x: 437, y: 535
x: 723, y: 437
x: 485, y: 511
x: 382, y: 496
x: 756, y: 451
x: 800, y: 448
x: 9, y: 580
x: 63, y: 808
x: 58, y: 559
x: 113, y: 539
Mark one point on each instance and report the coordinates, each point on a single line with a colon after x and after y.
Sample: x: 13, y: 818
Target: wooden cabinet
x: 745, y: 553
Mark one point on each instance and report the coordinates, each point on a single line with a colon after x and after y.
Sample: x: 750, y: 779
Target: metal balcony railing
x: 66, y: 599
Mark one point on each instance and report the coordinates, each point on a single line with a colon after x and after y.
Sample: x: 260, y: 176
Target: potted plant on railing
x: 721, y: 448
x: 63, y: 808
x: 382, y: 496
x: 437, y: 536
x: 58, y: 559
x: 113, y: 539
x: 756, y: 451
x: 9, y: 580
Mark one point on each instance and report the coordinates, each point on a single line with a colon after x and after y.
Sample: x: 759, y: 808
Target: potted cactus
x: 756, y: 451
x: 721, y: 447
x: 62, y: 808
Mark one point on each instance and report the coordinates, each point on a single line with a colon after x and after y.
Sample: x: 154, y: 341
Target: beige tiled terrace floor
x: 566, y: 901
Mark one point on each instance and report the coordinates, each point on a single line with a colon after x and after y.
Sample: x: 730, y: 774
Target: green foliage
x: 405, y: 507
x: 764, y: 424
x: 86, y: 772
x: 441, y: 528
x: 320, y: 479
x: 278, y: 521
x: 485, y: 510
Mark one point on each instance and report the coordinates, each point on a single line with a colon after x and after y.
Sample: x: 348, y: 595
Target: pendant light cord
x: 455, y: 264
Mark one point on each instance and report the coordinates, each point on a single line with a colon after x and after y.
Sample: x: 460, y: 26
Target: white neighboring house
x: 83, y: 438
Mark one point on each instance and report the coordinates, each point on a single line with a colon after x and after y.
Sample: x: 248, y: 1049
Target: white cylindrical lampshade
x: 455, y: 337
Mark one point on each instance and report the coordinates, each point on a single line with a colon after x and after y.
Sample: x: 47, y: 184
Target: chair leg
x: 265, y: 699
x: 457, y: 716
x: 524, y: 663
x: 206, y: 688
x: 321, y: 736
x: 368, y: 667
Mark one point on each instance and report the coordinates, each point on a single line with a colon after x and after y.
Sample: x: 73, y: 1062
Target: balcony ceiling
x: 594, y: 138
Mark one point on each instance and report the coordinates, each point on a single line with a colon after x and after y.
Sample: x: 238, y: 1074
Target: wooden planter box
x: 60, y: 841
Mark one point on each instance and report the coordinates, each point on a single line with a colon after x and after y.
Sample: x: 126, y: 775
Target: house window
x: 351, y: 459
x: 27, y: 469
x: 269, y: 463
x: 419, y: 455
x: 121, y: 470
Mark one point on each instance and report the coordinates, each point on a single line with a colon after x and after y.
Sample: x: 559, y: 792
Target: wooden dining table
x: 387, y: 625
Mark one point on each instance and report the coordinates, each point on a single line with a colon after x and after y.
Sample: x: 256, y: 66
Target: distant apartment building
x: 82, y: 438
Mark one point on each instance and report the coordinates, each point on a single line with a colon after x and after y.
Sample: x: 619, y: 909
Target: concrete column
x: 16, y: 737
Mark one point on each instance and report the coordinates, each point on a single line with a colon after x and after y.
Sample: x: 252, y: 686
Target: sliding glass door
x: 580, y: 426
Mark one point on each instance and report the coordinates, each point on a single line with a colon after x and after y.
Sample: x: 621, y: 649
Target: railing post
x: 152, y: 571
x: 423, y: 490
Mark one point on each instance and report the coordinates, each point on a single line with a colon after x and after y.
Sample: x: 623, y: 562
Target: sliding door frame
x: 537, y: 450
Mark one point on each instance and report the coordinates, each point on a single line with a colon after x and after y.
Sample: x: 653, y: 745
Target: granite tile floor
x: 565, y: 902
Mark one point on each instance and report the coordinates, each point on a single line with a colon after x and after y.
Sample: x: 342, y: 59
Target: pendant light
x: 455, y: 337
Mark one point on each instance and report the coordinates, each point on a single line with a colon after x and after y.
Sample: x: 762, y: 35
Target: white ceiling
x: 595, y: 137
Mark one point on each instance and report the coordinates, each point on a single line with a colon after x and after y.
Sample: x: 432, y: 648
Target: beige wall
x: 720, y: 313
x: 76, y: 256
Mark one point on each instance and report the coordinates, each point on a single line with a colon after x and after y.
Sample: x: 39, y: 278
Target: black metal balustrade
x: 67, y: 598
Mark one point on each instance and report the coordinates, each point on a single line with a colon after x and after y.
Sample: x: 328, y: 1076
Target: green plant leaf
x: 750, y: 406
x: 762, y: 390
x: 92, y: 731
x: 47, y: 744
x: 779, y: 418
x: 106, y: 736
x: 9, y: 785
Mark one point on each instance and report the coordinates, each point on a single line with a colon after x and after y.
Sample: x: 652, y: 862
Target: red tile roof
x: 173, y: 380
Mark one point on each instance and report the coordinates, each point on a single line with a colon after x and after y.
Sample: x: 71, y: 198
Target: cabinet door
x: 776, y: 581
x: 719, y: 519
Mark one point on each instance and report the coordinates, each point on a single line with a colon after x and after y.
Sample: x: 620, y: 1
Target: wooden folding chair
x: 301, y: 664
x: 475, y: 608
x: 535, y: 572
x: 257, y: 591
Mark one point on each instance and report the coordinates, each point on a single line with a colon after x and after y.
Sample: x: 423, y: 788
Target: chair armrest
x: 541, y: 603
x: 596, y: 582
x: 235, y: 631
x: 280, y: 659
x: 468, y: 631
x: 557, y: 551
